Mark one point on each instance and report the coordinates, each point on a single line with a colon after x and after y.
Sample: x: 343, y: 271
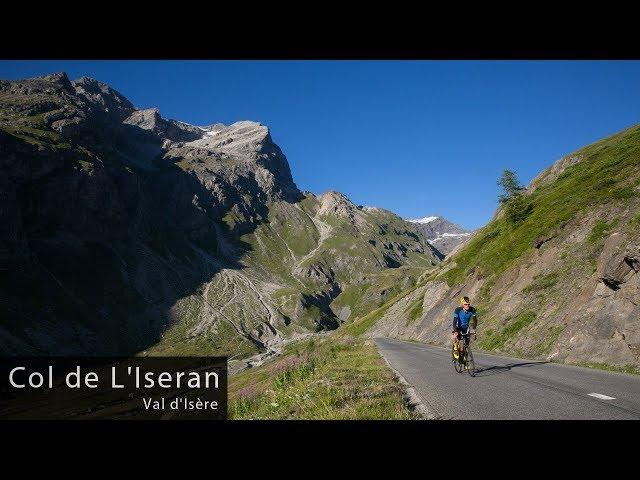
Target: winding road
x: 511, y: 389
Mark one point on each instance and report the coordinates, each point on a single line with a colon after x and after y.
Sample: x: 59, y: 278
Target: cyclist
x: 462, y: 316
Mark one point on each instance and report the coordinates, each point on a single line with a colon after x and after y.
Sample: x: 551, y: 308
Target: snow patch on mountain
x: 454, y: 235
x: 424, y: 220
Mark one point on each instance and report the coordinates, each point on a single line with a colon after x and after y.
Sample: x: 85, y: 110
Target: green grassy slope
x: 325, y: 379
x: 609, y: 172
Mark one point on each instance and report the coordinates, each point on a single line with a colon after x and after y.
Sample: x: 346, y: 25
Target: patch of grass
x: 294, y: 228
x: 542, y: 282
x: 600, y: 230
x: 634, y: 223
x: 553, y: 334
x: 336, y: 379
x: 363, y: 324
x: 352, y: 297
x: 184, y: 164
x: 631, y: 369
x: 414, y: 311
x: 497, y: 340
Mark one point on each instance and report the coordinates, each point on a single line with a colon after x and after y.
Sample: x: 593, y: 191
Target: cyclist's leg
x: 456, y: 344
x: 462, y: 346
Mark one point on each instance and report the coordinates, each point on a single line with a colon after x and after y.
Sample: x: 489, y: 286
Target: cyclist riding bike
x: 462, y: 317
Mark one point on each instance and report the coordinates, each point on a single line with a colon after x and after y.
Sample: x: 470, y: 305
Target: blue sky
x: 415, y: 137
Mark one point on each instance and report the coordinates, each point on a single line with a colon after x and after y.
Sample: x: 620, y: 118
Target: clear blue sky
x: 415, y: 137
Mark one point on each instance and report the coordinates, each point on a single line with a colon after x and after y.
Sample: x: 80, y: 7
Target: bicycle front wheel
x: 471, y: 366
x: 457, y: 364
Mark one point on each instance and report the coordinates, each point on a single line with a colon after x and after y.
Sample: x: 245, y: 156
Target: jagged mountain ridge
x: 123, y: 231
x: 446, y: 236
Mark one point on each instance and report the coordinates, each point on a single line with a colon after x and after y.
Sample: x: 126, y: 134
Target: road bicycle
x: 466, y: 362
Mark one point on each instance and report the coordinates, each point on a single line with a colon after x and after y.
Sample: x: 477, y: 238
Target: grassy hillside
x: 538, y: 282
x: 608, y: 173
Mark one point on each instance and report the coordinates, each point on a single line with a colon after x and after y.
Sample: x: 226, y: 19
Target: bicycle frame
x: 464, y: 361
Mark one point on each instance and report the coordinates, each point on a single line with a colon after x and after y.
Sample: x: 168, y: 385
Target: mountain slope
x: 122, y: 231
x: 442, y: 234
x: 562, y: 284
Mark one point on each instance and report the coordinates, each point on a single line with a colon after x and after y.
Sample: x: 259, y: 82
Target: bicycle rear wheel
x: 471, y: 366
x: 457, y: 364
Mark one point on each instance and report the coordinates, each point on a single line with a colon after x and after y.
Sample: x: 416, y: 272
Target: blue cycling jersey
x: 461, y: 317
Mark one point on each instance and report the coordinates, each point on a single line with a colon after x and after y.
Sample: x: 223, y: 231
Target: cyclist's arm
x: 474, y: 321
x: 455, y: 320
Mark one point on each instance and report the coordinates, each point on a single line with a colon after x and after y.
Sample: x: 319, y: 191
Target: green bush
x: 517, y: 209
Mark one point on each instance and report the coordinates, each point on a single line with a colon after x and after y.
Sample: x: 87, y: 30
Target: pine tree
x: 517, y: 207
x: 510, y: 184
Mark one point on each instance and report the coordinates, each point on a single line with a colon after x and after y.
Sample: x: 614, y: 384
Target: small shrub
x: 517, y: 209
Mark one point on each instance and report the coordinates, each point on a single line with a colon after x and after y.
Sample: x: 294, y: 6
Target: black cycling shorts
x: 467, y: 337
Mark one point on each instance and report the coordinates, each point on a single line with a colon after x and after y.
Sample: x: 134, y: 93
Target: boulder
x: 619, y: 265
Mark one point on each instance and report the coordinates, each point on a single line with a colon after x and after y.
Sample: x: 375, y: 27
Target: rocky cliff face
x: 122, y: 231
x: 563, y: 283
x: 441, y: 233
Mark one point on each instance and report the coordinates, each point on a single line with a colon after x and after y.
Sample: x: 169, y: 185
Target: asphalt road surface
x: 508, y: 388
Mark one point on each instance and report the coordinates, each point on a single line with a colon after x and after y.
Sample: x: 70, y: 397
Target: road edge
x: 537, y: 360
x: 412, y: 399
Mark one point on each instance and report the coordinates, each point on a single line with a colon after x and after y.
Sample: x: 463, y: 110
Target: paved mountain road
x: 508, y: 388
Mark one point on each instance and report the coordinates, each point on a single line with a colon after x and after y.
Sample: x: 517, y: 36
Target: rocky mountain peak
x: 335, y: 203
x: 104, y: 97
x: 240, y: 137
x: 59, y: 79
x: 56, y: 84
x: 338, y: 205
x: 441, y: 233
x: 147, y: 119
x: 250, y: 146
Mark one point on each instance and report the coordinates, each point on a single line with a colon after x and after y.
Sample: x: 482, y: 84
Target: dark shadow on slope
x: 95, y: 254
